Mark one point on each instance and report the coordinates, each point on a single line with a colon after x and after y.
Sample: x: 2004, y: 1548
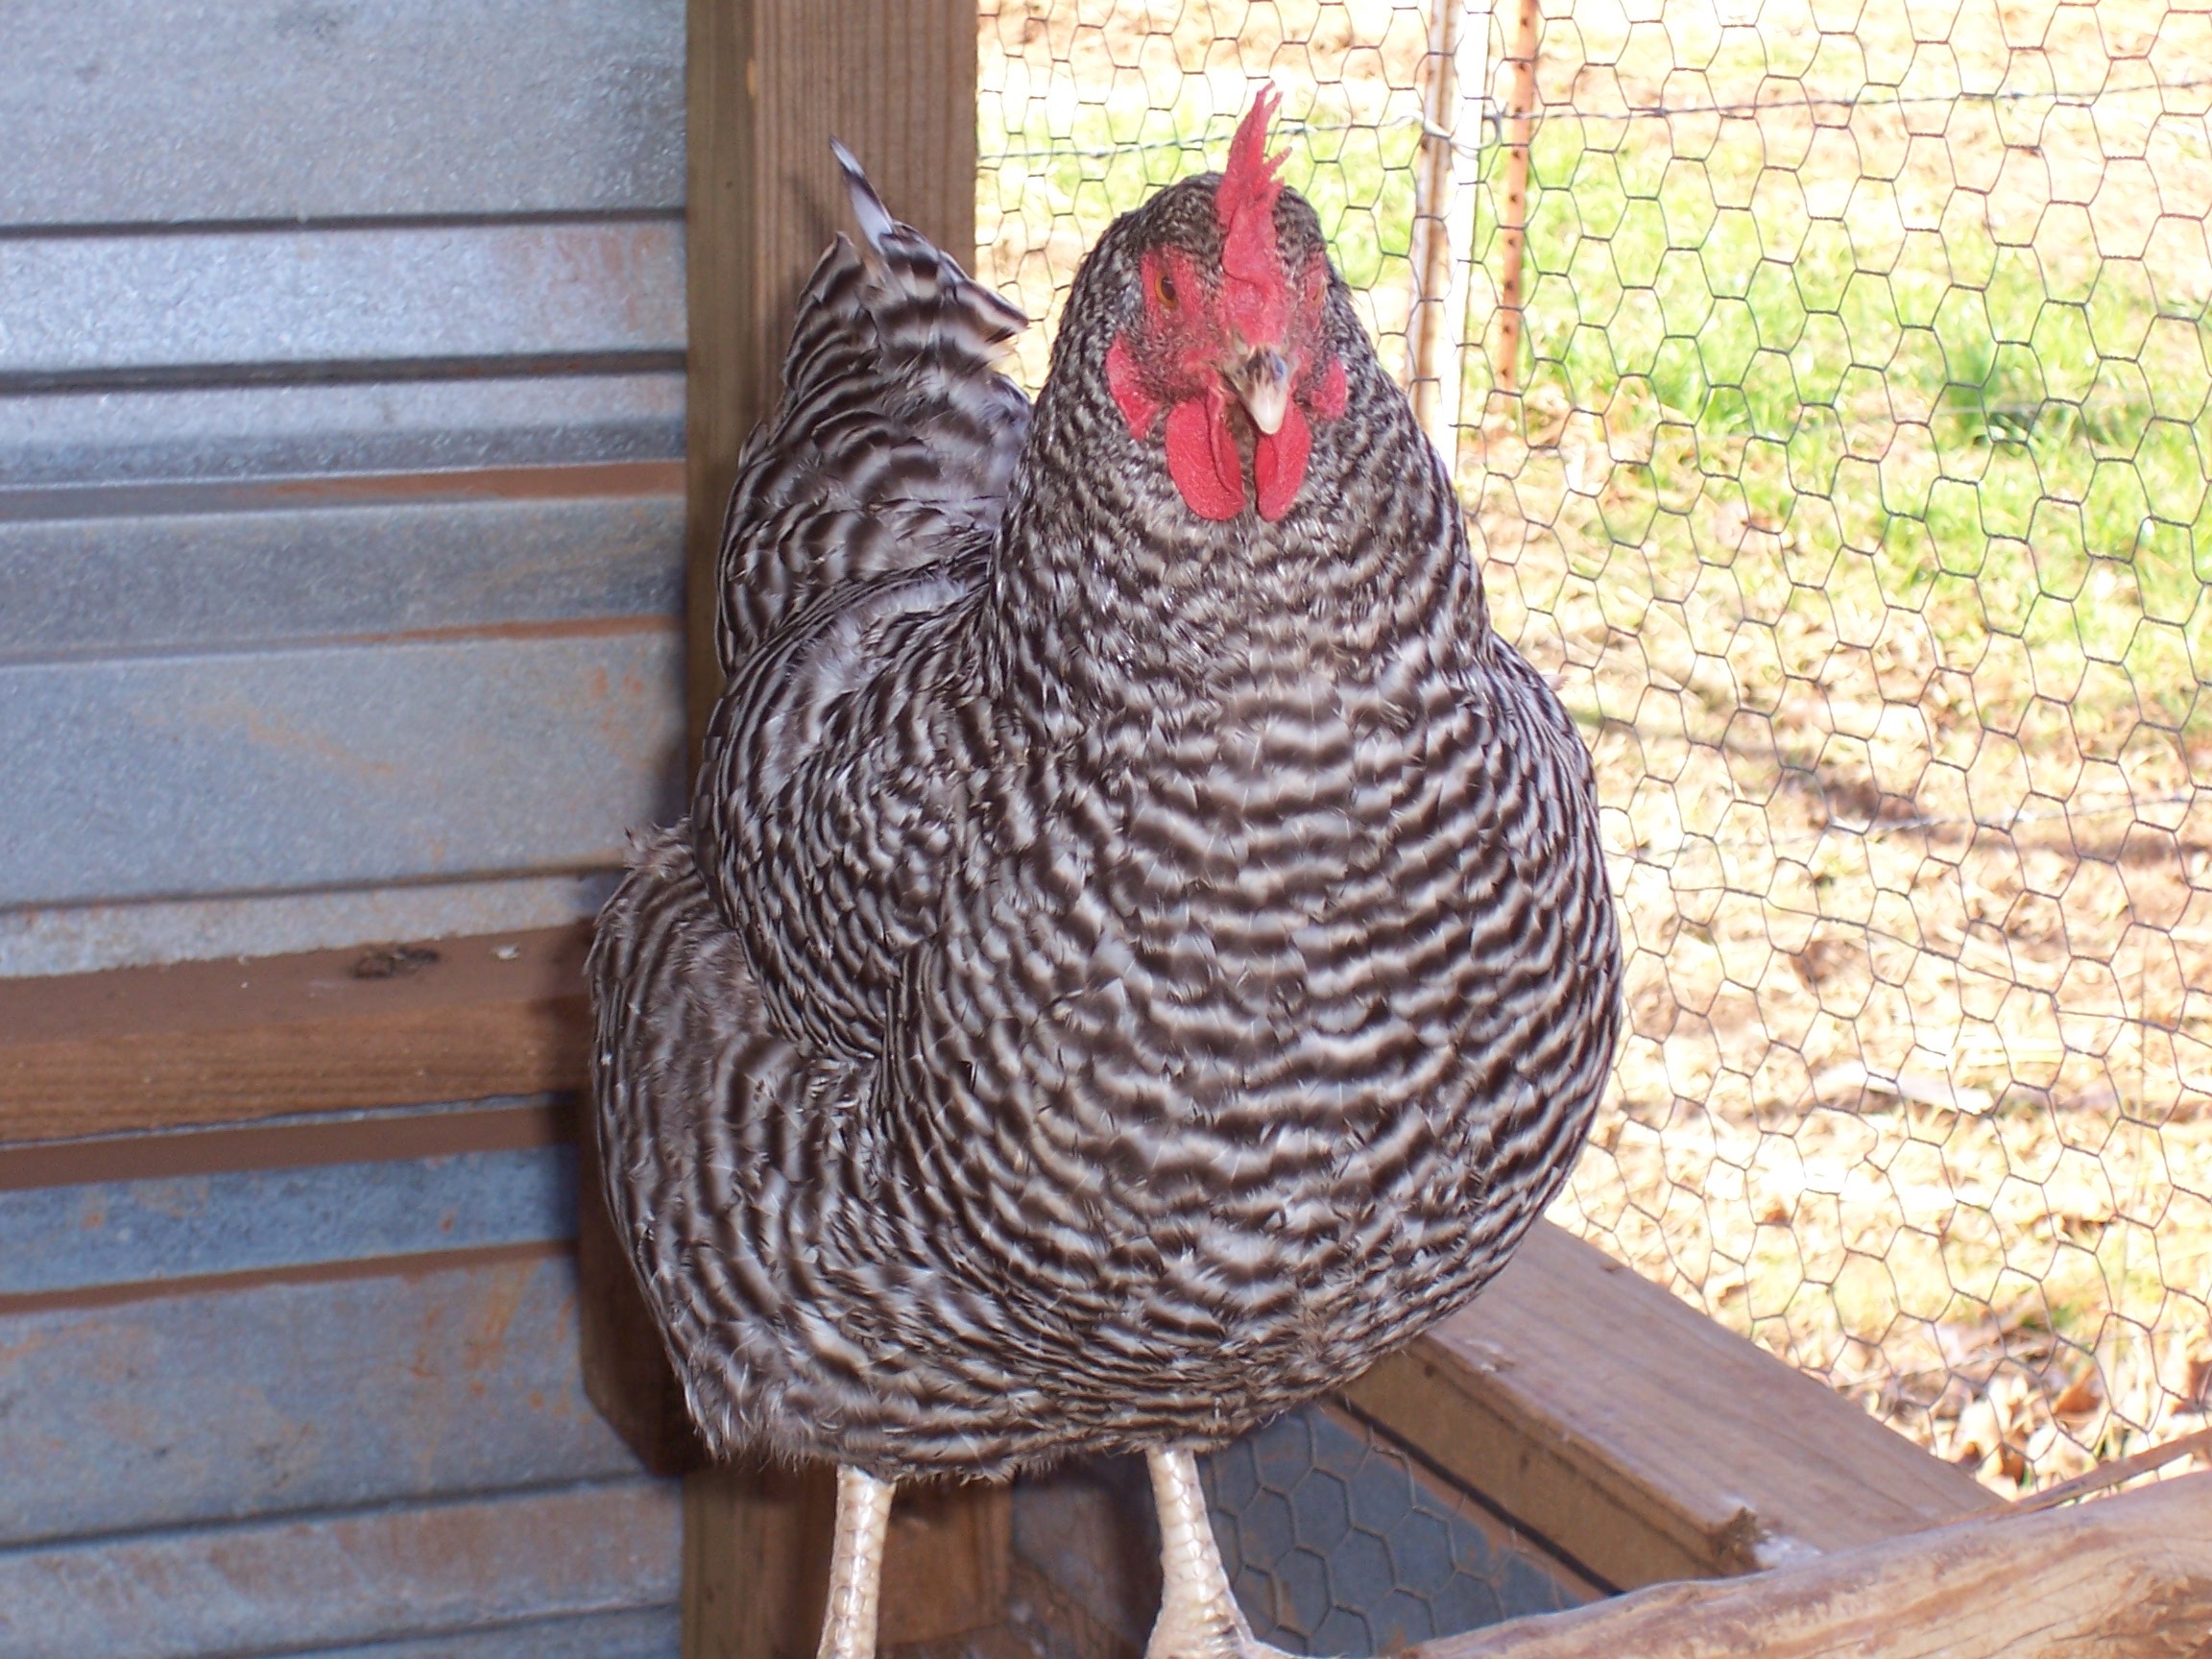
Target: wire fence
x: 1828, y: 387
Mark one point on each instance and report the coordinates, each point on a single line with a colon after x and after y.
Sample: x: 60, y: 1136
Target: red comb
x: 1258, y: 297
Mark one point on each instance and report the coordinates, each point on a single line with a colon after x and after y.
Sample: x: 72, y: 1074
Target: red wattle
x: 1121, y: 379
x: 1279, y: 462
x: 1202, y: 458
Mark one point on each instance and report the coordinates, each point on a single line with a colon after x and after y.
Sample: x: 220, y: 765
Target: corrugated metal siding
x: 340, y: 523
x: 340, y: 403
x: 312, y: 1409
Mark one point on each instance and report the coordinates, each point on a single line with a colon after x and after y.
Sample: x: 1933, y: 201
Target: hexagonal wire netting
x: 1337, y: 1538
x: 1832, y: 418
x: 1337, y: 1541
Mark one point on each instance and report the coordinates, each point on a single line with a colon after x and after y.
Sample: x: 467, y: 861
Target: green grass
x: 2032, y: 424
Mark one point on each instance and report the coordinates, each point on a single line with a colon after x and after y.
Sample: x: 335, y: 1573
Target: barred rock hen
x: 1140, y: 950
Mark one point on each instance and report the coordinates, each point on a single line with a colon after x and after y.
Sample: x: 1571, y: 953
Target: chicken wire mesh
x: 1336, y: 1539
x: 1827, y: 383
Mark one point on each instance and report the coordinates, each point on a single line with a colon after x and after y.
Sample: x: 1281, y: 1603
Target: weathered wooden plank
x: 324, y: 1580
x: 151, y: 110
x: 333, y: 766
x: 300, y: 429
x: 114, y: 306
x: 230, y: 1043
x: 767, y: 83
x: 279, y: 1398
x: 443, y: 1130
x: 168, y: 580
x: 92, y: 938
x: 2127, y: 1578
x: 62, y: 1239
x: 1641, y: 1438
x: 755, y: 1561
x: 948, y: 1561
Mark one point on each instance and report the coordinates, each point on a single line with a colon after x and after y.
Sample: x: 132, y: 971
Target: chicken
x: 1140, y: 950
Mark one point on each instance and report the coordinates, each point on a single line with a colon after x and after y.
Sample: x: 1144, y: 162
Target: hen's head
x: 1225, y: 347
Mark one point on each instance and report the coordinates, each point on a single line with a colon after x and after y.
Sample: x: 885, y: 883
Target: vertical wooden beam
x: 754, y: 1577
x: 757, y: 1569
x: 1514, y: 210
x: 1444, y: 181
x: 769, y: 83
x: 949, y: 1562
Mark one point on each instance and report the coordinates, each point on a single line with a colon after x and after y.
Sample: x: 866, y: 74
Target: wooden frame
x: 1616, y: 1424
x: 2129, y: 1577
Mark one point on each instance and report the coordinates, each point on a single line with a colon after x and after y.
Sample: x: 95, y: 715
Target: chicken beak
x: 1262, y: 383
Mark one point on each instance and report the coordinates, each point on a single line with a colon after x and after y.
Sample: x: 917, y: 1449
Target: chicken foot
x: 1199, y: 1617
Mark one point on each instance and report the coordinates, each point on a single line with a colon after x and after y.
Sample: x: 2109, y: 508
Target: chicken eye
x: 1163, y: 291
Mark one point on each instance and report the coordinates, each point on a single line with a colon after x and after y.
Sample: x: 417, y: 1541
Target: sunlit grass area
x: 1855, y: 498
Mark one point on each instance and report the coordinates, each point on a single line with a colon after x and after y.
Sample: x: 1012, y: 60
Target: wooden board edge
x: 1582, y: 1508
x: 204, y: 1043
x: 1507, y: 1397
x: 2124, y: 1577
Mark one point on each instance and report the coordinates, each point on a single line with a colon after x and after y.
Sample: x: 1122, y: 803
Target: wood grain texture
x: 947, y: 1562
x: 1640, y: 1438
x: 225, y: 1043
x: 757, y: 1561
x: 770, y: 83
x: 2127, y: 1577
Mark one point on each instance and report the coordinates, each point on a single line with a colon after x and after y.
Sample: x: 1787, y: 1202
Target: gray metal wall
x: 330, y: 1413
x: 341, y: 424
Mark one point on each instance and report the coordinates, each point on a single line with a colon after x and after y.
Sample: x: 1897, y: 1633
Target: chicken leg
x: 855, y: 1566
x: 1199, y: 1617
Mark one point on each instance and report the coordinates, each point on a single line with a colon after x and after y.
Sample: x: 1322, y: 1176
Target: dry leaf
x: 2080, y: 1398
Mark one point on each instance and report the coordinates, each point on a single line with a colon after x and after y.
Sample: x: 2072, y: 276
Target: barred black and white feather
x: 896, y: 437
x: 1123, y: 972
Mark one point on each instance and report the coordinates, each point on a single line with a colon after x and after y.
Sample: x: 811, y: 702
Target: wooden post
x: 1514, y: 208
x: 769, y: 83
x: 1443, y: 214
